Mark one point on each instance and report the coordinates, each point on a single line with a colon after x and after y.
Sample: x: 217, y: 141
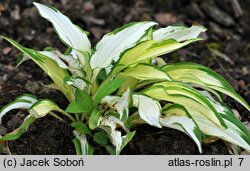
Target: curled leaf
x: 113, y: 126
x: 42, y: 107
x: 149, y: 109
x: 22, y: 102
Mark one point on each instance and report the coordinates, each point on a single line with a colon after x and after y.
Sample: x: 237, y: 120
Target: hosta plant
x: 121, y: 82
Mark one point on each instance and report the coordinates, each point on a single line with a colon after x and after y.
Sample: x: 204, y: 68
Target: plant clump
x: 122, y: 82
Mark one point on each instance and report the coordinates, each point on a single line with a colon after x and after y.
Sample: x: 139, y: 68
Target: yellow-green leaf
x: 146, y: 72
x: 201, y: 75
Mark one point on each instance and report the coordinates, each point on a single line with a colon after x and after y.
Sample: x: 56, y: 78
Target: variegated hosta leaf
x: 65, y: 62
x: 146, y: 72
x: 53, y: 55
x: 83, y: 142
x: 187, y: 96
x: 21, y: 58
x: 234, y: 133
x: 179, y: 33
x: 42, y: 107
x: 184, y: 124
x: 74, y: 65
x: 82, y: 57
x: 76, y: 82
x: 110, y: 100
x: 149, y: 109
x: 149, y: 50
x: 177, y: 117
x: 201, y: 75
x: 234, y: 126
x: 228, y: 115
x: 120, y: 104
x: 22, y: 102
x: 112, y: 125
x: 49, y: 66
x: 164, y: 41
x: 69, y: 33
x: 113, y: 44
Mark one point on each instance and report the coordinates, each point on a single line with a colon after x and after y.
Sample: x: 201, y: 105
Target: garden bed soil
x: 225, y: 49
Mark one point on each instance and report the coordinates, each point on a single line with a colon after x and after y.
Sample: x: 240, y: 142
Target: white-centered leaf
x: 177, y: 117
x: 163, y: 43
x: 69, y: 33
x: 113, y: 44
x: 120, y: 104
x: 21, y: 102
x: 110, y: 125
x: 72, y: 62
x: 28, y: 97
x: 229, y: 116
x: 149, y: 109
x: 83, y: 142
x: 150, y: 49
x: 179, y: 33
x: 76, y: 82
x: 42, y: 107
x: 52, y: 55
x: 184, y: 124
x: 232, y: 134
x: 185, y: 95
x: 110, y: 100
x: 201, y: 75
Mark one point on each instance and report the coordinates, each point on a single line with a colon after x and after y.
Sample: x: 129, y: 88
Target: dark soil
x: 226, y: 50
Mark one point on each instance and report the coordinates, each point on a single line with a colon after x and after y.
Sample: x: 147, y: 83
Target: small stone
x: 242, y: 84
x: 165, y: 18
x: 88, y: 6
x: 7, y: 50
x: 5, y: 77
x: 146, y: 17
x: 94, y: 20
x: 64, y: 2
x: 244, y: 71
x: 2, y: 8
x: 16, y: 13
